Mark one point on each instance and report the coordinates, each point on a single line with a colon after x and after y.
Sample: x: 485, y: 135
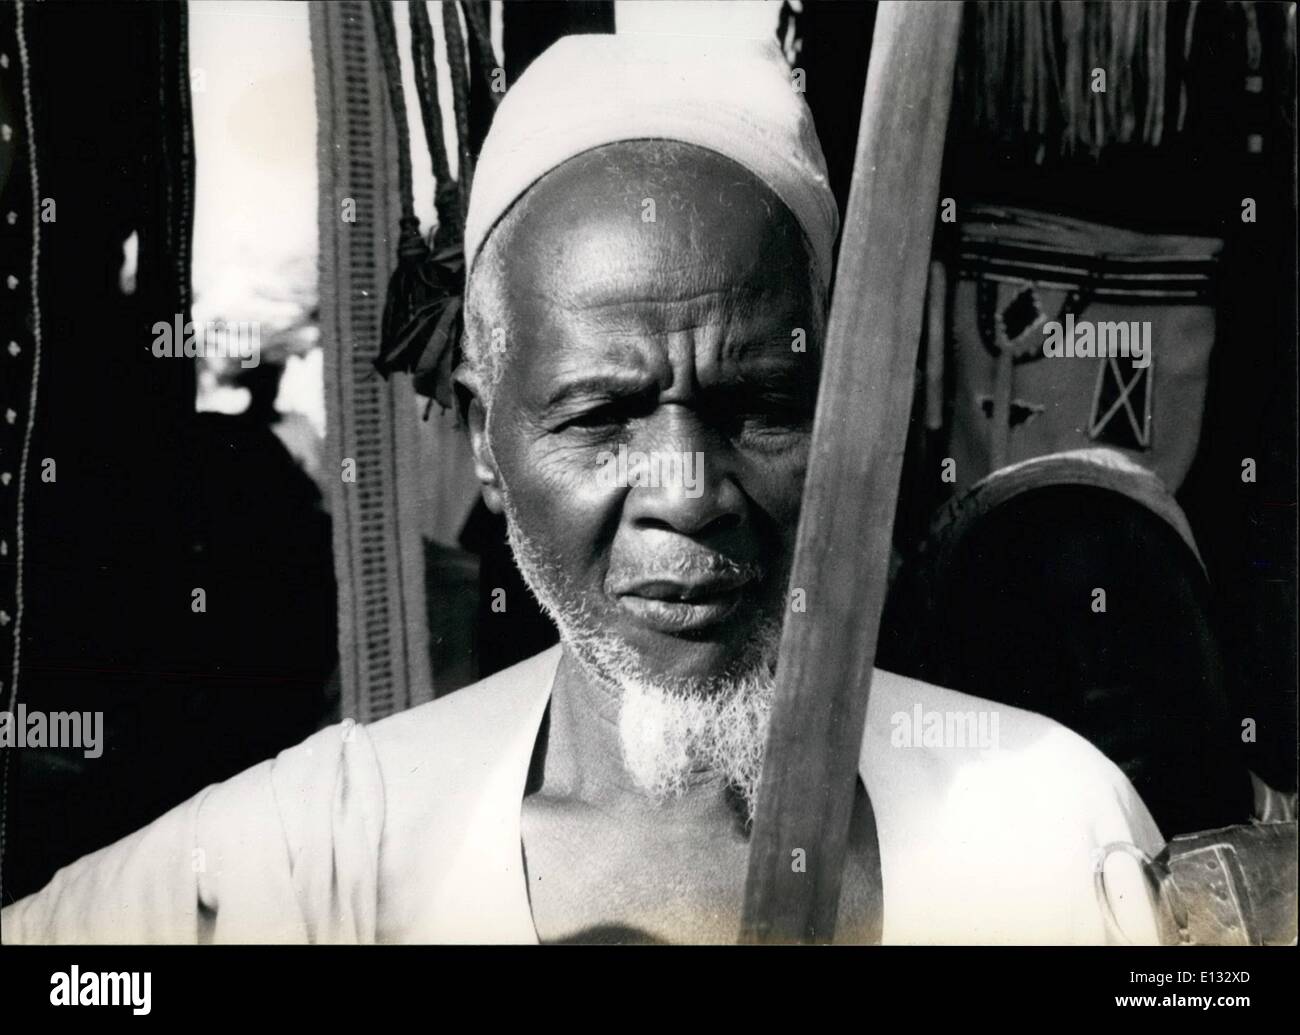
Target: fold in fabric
x: 285, y: 852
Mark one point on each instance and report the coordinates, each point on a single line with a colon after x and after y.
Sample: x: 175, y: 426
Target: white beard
x: 668, y: 734
x: 669, y: 727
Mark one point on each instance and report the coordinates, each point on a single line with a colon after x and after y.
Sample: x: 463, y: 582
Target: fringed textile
x: 1071, y: 75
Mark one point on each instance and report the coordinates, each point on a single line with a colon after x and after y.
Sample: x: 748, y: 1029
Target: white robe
x: 409, y: 831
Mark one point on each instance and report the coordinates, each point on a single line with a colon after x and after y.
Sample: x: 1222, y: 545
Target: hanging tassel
x: 446, y: 196
x: 1157, y: 36
x: 1073, y: 92
x: 421, y: 327
x: 423, y: 321
x: 480, y: 36
x: 1189, y: 32
x: 1126, y: 25
x: 458, y: 65
x: 1050, y: 79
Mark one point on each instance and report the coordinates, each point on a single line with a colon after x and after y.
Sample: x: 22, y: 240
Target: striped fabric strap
x: 1107, y: 263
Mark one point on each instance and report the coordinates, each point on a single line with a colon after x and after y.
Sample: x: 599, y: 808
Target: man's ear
x: 474, y: 406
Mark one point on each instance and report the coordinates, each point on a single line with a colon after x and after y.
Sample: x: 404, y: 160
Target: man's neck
x: 606, y: 861
x: 582, y: 756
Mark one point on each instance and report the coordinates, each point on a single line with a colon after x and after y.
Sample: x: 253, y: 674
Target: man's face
x: 661, y: 307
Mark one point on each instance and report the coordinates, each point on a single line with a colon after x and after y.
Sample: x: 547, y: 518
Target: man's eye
x: 773, y: 416
x: 611, y: 413
x: 767, y: 427
x: 608, y: 416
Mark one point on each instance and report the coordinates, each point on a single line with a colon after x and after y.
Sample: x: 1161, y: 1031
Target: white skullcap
x: 732, y: 96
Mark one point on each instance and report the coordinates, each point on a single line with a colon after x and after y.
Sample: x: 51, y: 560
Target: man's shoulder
x: 438, y: 756
x: 991, y: 819
x: 472, y: 717
x: 949, y: 729
x: 939, y: 752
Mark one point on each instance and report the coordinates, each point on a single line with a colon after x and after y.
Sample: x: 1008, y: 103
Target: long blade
x: 842, y: 552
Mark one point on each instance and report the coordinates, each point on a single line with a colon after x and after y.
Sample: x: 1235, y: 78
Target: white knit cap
x: 732, y: 96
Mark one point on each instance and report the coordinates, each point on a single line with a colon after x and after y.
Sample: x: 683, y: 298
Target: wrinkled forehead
x: 637, y: 223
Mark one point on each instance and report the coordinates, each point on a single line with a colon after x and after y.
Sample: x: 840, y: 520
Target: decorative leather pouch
x: 1018, y: 272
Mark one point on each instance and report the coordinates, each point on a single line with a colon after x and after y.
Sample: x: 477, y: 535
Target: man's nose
x: 688, y: 484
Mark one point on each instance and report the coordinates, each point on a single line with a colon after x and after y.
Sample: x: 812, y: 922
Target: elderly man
x: 649, y: 240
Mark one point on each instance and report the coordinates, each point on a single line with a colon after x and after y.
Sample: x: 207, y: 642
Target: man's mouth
x: 675, y: 605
